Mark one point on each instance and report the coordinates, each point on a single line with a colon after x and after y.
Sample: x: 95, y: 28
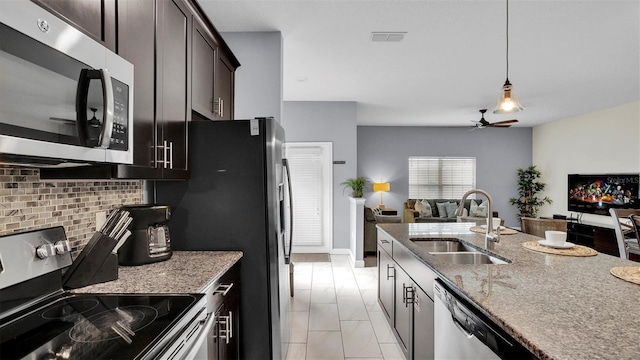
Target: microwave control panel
x: 120, y: 132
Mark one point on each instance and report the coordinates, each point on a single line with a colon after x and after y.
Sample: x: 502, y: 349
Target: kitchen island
x: 186, y: 272
x: 558, y: 307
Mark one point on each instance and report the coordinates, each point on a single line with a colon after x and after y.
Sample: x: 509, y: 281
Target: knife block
x: 95, y: 264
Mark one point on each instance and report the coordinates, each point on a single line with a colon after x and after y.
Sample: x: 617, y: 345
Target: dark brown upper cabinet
x: 97, y: 18
x: 224, y: 87
x: 204, y: 55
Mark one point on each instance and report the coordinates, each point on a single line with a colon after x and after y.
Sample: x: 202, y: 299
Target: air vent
x: 387, y: 36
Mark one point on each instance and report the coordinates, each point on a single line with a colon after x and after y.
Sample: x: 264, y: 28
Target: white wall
x: 333, y: 122
x: 258, y: 82
x: 605, y: 141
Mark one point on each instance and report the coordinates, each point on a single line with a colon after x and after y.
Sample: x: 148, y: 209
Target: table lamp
x: 381, y: 187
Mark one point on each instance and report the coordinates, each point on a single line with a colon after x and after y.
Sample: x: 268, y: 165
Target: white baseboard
x: 358, y: 264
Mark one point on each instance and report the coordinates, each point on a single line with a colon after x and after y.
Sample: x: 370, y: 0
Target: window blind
x: 440, y: 177
x: 306, y: 175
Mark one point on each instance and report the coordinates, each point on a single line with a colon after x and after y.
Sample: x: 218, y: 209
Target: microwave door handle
x: 86, y: 75
x: 107, y: 125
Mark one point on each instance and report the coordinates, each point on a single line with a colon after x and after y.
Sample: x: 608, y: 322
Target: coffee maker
x: 149, y: 241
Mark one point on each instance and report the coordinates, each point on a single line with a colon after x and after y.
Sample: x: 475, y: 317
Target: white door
x: 311, y: 184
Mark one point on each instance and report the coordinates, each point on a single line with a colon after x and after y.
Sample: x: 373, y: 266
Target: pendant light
x: 508, y: 101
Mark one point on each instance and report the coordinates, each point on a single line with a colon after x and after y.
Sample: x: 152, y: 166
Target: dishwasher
x: 461, y: 333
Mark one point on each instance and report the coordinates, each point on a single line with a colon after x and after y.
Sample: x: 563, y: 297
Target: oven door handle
x: 201, y: 338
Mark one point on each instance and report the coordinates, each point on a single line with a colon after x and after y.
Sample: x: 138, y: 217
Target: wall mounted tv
x: 596, y: 194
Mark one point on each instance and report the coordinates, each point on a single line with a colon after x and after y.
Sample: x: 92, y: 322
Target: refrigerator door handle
x: 287, y: 256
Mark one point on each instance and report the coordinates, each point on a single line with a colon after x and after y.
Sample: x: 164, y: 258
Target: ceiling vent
x: 378, y: 36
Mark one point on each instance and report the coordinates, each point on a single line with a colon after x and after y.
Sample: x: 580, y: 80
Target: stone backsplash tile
x: 29, y: 203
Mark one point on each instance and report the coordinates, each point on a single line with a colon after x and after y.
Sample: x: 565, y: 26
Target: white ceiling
x: 566, y: 57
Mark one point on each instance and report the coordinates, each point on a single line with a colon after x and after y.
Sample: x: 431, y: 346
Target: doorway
x: 311, y: 169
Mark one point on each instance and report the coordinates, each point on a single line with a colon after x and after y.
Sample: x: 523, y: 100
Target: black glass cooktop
x: 93, y: 326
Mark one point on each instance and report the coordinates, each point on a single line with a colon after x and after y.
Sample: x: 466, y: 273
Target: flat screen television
x: 596, y: 194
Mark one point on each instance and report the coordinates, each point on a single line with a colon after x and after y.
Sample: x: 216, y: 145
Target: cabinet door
x: 136, y: 43
x: 204, y: 53
x: 422, y: 325
x: 403, y: 309
x: 386, y: 277
x: 228, y: 331
x: 96, y: 18
x: 224, y: 86
x: 173, y: 66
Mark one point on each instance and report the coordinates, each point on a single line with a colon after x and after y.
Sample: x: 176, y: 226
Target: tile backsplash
x: 28, y: 203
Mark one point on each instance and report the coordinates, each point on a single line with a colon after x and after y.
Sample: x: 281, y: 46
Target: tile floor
x: 335, y: 313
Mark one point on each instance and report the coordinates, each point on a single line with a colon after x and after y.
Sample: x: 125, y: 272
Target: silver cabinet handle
x: 230, y: 324
x: 223, y: 289
x: 170, y: 151
x: 226, y: 332
x: 167, y: 154
x: 221, y: 108
x: 389, y: 266
x: 407, y: 295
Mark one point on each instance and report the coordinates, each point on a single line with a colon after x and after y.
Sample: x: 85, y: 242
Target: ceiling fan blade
x: 505, y: 122
x: 500, y: 125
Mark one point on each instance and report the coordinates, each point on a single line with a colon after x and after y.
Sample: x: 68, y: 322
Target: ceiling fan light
x: 508, y: 101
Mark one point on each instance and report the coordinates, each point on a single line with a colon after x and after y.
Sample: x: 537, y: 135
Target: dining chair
x: 625, y: 231
x: 537, y: 226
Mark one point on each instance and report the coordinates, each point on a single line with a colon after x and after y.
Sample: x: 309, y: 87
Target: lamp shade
x: 381, y: 186
x: 508, y: 101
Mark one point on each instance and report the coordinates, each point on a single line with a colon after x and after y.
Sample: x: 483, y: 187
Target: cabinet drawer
x: 385, y: 242
x: 226, y: 286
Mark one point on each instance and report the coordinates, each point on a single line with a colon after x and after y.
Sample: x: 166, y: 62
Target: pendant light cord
x: 507, y: 39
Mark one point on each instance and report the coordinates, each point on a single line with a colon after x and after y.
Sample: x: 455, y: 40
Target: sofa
x: 370, y: 231
x: 411, y: 215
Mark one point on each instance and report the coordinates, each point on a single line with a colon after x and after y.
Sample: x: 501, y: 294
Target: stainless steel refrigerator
x: 237, y: 198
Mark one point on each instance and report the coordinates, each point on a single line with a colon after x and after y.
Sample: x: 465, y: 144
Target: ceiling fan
x: 484, y: 123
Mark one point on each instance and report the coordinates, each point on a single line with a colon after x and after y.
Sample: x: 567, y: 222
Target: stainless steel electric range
x: 39, y: 320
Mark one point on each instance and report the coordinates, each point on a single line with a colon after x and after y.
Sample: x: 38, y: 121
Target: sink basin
x: 467, y: 257
x: 442, y: 245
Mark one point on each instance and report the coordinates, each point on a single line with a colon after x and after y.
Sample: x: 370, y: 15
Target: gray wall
x: 383, y: 154
x: 333, y: 122
x: 259, y: 77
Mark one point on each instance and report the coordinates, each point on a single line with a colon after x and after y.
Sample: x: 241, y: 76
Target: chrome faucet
x: 489, y: 238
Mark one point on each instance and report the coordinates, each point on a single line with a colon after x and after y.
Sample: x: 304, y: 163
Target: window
x: 440, y: 177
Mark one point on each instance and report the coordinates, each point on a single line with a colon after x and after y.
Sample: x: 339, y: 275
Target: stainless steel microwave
x: 64, y: 97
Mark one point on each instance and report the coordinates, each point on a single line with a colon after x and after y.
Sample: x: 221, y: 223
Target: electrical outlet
x: 101, y: 217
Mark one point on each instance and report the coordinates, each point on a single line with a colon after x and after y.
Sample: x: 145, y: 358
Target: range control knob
x: 44, y: 251
x: 62, y: 247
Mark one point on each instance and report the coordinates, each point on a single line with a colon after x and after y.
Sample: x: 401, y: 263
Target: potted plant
x: 529, y: 186
x: 356, y: 184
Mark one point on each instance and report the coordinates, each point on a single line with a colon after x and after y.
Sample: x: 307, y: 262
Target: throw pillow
x: 376, y: 211
x: 442, y: 210
x: 480, y: 210
x: 451, y: 209
x: 423, y: 208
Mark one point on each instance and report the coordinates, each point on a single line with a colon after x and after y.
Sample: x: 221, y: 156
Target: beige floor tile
x: 352, y: 308
x: 300, y: 301
x: 324, y: 317
x: 366, y: 281
x: 297, y: 352
x: 370, y: 298
x: 299, y: 326
x: 383, y: 330
x: 340, y: 261
x: 324, y: 345
x: 323, y: 294
x: 302, y: 280
x: 322, y: 276
x: 358, y: 339
x: 391, y: 352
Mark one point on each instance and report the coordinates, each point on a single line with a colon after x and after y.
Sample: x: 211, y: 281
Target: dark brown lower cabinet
x: 224, y: 343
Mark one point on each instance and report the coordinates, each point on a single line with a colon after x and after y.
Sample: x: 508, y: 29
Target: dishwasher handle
x: 461, y: 327
x: 201, y: 338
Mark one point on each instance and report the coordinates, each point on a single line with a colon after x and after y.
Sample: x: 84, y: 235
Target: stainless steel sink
x: 442, y: 245
x: 467, y: 257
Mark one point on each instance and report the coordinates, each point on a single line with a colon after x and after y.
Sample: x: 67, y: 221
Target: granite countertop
x: 186, y: 272
x: 559, y: 307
